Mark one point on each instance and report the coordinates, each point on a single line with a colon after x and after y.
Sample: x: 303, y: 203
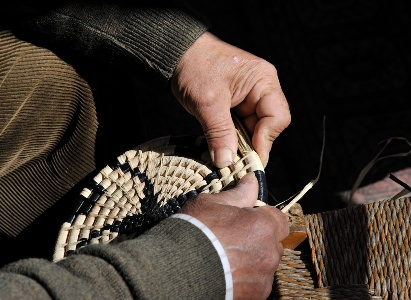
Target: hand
x: 212, y: 77
x: 251, y: 237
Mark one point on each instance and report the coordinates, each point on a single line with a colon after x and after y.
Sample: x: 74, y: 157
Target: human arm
x: 169, y: 41
x: 173, y: 260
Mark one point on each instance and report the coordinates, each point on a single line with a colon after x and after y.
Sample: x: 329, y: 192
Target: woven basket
x: 361, y: 252
x: 149, y: 183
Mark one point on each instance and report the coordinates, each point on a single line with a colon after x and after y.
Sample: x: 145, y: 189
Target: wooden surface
x: 298, y: 230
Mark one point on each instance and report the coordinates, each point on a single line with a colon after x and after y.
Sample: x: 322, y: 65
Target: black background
x: 346, y: 60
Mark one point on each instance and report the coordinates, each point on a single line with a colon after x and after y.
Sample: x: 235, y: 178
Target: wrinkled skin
x: 251, y: 237
x: 213, y: 79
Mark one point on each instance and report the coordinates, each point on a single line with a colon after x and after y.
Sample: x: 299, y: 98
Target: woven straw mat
x: 360, y: 252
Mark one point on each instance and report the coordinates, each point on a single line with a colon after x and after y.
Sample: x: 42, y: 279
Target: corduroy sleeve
x: 174, y: 260
x: 128, y: 34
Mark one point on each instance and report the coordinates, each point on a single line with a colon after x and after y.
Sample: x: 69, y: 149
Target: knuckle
x: 286, y: 121
x: 261, y: 222
x: 267, y: 66
x: 275, y: 222
x: 268, y: 287
x: 276, y: 257
x: 259, y: 69
x: 211, y: 96
x: 280, y: 250
x: 284, y: 117
x: 270, y: 259
x: 283, y: 114
x: 263, y: 288
x: 270, y: 134
x: 220, y: 128
x: 280, y: 217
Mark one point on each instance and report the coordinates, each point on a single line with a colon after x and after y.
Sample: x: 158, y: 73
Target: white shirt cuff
x: 219, y: 248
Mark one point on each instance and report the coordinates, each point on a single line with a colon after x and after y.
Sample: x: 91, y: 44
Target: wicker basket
x: 149, y: 183
x: 361, y: 252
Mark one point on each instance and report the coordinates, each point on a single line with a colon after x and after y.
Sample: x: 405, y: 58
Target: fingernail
x: 222, y: 157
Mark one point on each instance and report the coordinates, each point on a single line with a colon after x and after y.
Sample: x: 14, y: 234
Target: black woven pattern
x: 147, y: 184
x: 153, y: 211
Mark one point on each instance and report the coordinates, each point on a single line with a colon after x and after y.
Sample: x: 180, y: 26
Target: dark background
x: 346, y: 60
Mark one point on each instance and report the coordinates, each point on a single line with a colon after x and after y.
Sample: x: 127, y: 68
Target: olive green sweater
x: 174, y: 260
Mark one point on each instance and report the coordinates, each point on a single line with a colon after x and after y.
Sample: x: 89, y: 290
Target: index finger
x: 265, y: 113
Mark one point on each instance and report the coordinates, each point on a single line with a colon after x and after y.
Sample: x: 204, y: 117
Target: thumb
x: 244, y: 194
x: 220, y: 133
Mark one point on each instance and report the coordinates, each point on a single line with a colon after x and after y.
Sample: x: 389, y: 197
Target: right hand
x: 213, y: 79
x: 251, y: 237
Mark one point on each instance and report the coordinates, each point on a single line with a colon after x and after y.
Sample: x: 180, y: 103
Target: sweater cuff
x: 219, y: 248
x: 159, y: 37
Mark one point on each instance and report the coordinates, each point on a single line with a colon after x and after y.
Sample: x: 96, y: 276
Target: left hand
x: 214, y: 77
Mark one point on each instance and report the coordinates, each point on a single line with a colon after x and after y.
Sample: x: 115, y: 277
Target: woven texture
x: 149, y: 183
x: 361, y: 252
x: 295, y: 279
x: 368, y: 244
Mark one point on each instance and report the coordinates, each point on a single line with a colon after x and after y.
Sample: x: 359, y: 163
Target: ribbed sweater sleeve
x: 174, y: 260
x: 128, y: 34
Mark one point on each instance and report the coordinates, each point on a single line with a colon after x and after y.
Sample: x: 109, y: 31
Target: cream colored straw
x: 312, y: 182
